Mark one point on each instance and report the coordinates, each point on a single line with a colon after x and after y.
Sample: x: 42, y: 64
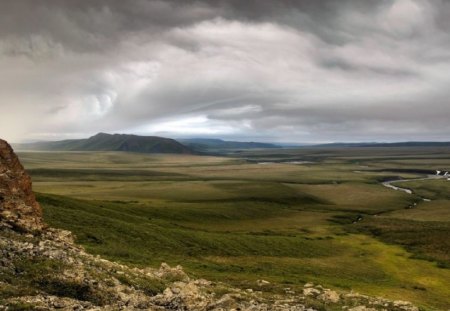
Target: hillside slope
x: 42, y: 268
x: 112, y: 142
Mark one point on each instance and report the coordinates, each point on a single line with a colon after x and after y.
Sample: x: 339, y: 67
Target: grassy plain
x: 237, y: 220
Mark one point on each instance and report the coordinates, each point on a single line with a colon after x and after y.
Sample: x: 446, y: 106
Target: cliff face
x: 18, y: 206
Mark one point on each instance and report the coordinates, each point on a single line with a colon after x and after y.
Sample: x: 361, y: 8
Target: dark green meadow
x: 261, y: 215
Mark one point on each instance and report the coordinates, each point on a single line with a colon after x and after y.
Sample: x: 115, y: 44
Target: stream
x: 389, y: 184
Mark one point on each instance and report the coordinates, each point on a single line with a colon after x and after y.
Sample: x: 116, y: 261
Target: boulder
x: 19, y: 209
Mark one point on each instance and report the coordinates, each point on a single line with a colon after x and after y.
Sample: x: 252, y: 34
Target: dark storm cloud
x: 339, y: 64
x: 85, y: 25
x: 303, y: 70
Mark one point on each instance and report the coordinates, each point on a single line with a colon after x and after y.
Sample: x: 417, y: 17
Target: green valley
x: 288, y: 216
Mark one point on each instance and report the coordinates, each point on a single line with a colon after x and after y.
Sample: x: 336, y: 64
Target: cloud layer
x: 297, y: 71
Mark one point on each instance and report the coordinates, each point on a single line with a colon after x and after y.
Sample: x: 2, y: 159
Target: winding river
x: 390, y: 183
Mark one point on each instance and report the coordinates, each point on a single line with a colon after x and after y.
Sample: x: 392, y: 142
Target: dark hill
x: 112, y: 142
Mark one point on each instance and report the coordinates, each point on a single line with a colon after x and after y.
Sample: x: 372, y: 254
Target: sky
x: 302, y: 71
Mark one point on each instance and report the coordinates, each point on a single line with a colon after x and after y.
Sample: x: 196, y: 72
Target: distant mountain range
x: 396, y: 144
x: 142, y: 144
x: 155, y: 144
x: 112, y: 142
x: 207, y: 144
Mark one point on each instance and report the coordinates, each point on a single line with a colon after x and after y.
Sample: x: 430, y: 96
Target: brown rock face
x: 19, y: 209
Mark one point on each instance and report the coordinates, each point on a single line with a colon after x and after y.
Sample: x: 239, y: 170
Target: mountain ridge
x: 112, y: 142
x: 385, y: 144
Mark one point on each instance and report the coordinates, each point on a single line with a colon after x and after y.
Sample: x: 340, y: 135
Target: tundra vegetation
x: 288, y: 216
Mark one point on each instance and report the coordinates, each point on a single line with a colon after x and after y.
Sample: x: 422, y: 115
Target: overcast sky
x: 286, y: 71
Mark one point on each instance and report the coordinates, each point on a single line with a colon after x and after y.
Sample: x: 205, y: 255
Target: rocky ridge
x: 42, y: 268
x: 18, y: 206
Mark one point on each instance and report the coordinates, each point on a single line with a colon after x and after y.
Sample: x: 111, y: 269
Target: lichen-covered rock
x: 362, y: 308
x: 311, y: 291
x: 18, y: 206
x: 329, y: 296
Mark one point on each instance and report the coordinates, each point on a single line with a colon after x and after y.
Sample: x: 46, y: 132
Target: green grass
x: 138, y: 228
x: 426, y: 239
x: 436, y: 210
x: 432, y: 189
x: 236, y: 221
x: 141, y: 235
x: 36, y: 275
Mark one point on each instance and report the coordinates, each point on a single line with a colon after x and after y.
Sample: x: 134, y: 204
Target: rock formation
x: 42, y: 268
x: 18, y: 206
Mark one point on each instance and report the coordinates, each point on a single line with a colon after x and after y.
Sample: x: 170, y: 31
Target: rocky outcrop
x: 48, y: 271
x: 53, y: 273
x: 18, y: 206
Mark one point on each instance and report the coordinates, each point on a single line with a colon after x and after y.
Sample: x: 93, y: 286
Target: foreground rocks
x: 18, y: 206
x: 48, y: 271
x: 43, y: 269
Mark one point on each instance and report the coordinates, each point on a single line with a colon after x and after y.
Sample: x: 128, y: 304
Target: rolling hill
x: 112, y: 142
